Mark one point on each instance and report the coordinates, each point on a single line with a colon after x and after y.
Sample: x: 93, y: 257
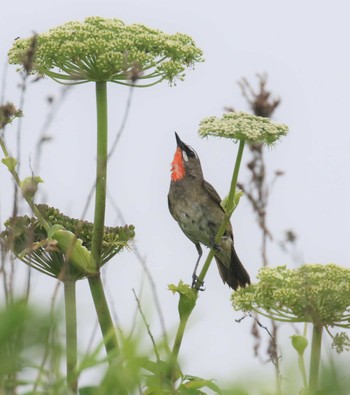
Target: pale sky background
x: 304, y: 46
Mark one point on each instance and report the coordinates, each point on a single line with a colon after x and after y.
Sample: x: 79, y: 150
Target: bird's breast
x: 197, y: 215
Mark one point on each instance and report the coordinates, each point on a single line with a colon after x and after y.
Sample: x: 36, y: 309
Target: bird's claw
x: 214, y: 245
x: 197, y: 283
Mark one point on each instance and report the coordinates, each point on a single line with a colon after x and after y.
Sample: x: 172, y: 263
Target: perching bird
x: 195, y: 205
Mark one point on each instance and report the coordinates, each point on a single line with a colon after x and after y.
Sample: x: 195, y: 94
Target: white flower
x: 243, y: 126
x: 100, y: 49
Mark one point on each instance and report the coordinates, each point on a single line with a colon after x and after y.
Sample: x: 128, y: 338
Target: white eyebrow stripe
x: 184, y: 155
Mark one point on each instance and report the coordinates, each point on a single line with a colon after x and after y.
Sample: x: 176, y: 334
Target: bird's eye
x: 191, y: 152
x: 188, y: 153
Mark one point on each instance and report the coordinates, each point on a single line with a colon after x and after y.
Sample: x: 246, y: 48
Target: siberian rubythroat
x: 195, y: 205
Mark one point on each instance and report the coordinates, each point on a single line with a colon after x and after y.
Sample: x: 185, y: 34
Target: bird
x: 195, y: 206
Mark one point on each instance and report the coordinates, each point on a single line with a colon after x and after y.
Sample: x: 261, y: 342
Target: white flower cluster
x: 100, y: 49
x: 310, y: 293
x: 243, y: 126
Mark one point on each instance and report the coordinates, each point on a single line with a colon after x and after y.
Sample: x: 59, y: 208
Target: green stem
x: 104, y: 316
x: 173, y: 372
x: 71, y: 334
x: 18, y: 182
x: 301, y: 361
x: 179, y: 336
x: 101, y: 171
x: 220, y: 233
x: 302, y: 369
x: 315, y: 357
x: 96, y: 286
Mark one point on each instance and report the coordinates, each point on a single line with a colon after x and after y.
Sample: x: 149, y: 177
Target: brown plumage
x: 195, y: 205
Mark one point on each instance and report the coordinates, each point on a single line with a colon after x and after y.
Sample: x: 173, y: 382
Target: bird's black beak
x: 179, y: 142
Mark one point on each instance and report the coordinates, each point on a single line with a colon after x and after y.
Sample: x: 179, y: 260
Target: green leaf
x: 89, y: 390
x: 156, y: 367
x: 238, y: 195
x: 196, y: 383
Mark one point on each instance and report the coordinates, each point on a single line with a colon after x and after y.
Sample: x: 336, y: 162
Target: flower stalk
x: 71, y: 333
x: 179, y: 335
x: 104, y: 316
x: 315, y: 357
x: 95, y: 283
x: 101, y: 171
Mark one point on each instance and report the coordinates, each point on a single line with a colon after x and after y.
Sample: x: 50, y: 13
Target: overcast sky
x: 304, y: 47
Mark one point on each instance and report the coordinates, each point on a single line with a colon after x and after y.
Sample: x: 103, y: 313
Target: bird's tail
x: 232, y: 270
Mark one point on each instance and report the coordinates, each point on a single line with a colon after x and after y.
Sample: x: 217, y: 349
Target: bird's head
x: 185, y: 163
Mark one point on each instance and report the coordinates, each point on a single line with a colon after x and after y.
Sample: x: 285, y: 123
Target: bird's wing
x: 216, y: 198
x: 212, y: 192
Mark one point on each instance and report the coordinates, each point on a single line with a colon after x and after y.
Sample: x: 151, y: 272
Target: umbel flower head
x: 101, y: 49
x: 243, y: 126
x: 319, y: 294
x: 29, y: 241
x: 315, y: 293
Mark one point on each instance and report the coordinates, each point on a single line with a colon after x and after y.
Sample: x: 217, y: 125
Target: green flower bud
x: 187, y: 300
x: 299, y: 343
x: 10, y: 163
x: 29, y: 186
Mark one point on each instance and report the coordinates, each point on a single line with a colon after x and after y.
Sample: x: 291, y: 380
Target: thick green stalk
x: 101, y: 171
x: 179, y: 336
x: 221, y: 231
x: 71, y: 334
x: 174, y: 372
x: 104, y: 316
x: 315, y: 358
x: 96, y: 286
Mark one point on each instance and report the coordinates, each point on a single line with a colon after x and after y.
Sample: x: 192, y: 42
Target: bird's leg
x: 196, y: 283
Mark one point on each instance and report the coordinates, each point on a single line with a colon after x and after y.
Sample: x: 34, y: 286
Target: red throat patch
x: 177, y: 166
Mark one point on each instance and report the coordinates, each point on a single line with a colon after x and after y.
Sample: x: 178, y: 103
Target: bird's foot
x: 197, y: 283
x: 214, y: 245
